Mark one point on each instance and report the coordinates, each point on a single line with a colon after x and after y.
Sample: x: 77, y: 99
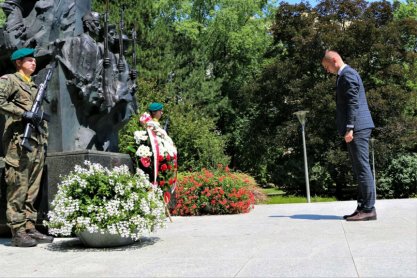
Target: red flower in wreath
x: 146, y: 161
x: 164, y: 167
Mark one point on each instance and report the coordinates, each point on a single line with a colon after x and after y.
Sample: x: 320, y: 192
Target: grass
x: 277, y: 196
x: 273, y: 190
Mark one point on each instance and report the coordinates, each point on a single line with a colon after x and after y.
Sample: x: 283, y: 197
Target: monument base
x: 58, y: 164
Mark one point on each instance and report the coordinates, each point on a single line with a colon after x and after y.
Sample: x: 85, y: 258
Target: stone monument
x: 91, y: 92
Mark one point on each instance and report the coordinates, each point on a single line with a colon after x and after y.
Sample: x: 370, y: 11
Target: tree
x: 405, y: 10
x: 172, y: 70
x: 370, y: 40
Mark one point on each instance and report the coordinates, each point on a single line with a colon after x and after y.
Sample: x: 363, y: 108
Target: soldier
x: 23, y: 169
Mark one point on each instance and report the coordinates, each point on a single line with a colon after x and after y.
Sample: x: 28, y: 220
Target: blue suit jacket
x: 351, y: 104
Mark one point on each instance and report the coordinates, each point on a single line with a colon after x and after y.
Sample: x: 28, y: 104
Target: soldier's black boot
x: 22, y: 239
x: 40, y: 238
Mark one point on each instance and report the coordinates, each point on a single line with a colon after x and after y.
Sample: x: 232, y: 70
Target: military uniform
x: 23, y: 168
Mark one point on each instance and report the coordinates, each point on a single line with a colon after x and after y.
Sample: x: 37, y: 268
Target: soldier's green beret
x: 21, y: 53
x: 155, y: 106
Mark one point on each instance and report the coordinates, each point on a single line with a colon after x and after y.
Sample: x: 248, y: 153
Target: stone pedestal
x: 59, y: 164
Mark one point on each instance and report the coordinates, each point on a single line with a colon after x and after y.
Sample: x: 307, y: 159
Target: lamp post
x: 373, y: 162
x: 301, y: 115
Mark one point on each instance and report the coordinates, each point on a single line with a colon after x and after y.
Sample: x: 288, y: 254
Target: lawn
x: 277, y: 196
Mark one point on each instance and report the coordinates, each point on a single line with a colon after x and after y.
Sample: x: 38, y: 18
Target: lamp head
x: 301, y: 116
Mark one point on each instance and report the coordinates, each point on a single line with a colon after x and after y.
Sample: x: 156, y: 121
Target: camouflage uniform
x: 23, y: 168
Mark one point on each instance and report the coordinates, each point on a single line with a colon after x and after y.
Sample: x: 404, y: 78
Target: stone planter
x: 98, y: 240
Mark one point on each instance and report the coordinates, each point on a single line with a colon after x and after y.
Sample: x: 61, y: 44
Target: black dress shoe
x: 363, y: 216
x: 353, y: 214
x: 40, y: 238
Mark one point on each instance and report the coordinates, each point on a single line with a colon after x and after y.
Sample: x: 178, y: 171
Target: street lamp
x: 301, y: 115
x: 373, y: 162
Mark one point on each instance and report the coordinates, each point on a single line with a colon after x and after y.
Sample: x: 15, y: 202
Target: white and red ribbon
x: 155, y: 151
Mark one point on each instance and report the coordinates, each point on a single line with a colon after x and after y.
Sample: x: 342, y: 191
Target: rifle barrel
x: 36, y: 107
x: 106, y: 60
x: 121, y: 65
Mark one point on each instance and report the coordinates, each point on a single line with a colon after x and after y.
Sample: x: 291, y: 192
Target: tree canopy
x: 233, y: 72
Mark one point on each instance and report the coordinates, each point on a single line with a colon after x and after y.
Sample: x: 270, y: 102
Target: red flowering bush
x: 213, y: 192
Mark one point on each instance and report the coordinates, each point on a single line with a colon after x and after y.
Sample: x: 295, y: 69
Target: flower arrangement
x: 213, y: 192
x: 96, y: 199
x: 155, y: 153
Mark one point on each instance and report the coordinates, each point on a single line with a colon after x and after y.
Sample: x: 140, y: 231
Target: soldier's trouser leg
x: 34, y: 185
x: 23, y: 184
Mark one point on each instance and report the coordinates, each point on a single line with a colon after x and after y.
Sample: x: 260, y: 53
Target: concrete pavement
x: 291, y: 240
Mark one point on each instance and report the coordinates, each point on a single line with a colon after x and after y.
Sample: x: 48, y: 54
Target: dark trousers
x: 359, y: 155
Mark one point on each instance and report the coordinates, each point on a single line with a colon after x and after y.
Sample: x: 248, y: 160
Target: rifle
x: 36, y: 108
x: 166, y: 125
x: 106, y: 60
x: 121, y: 65
x: 134, y: 73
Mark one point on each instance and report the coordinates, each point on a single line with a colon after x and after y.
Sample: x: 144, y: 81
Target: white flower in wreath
x: 140, y: 135
x: 171, y: 149
x: 167, y: 146
x: 143, y: 151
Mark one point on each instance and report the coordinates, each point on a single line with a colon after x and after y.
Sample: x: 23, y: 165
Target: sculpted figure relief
x: 96, y: 79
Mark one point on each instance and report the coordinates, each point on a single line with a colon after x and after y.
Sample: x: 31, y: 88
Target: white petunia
x: 125, y: 204
x: 143, y: 151
x: 140, y: 136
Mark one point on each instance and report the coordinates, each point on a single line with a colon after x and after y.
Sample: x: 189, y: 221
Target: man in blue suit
x: 354, y: 123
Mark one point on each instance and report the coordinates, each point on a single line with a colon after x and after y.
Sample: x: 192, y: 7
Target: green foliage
x: 199, y: 144
x: 370, y: 40
x: 405, y: 10
x: 399, y: 179
x: 187, y: 74
x: 320, y: 180
x: 232, y: 73
x: 2, y: 16
x: 217, y: 192
x: 173, y: 70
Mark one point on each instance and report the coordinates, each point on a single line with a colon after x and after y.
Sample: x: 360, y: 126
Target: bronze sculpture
x: 92, y: 96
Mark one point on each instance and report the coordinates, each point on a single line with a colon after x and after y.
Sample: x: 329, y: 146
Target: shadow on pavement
x: 75, y: 245
x: 310, y: 216
x: 5, y: 241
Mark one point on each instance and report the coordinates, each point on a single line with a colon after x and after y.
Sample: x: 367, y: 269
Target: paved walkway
x: 295, y: 240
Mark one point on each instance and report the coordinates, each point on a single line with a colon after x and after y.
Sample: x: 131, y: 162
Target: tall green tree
x: 196, y: 55
x: 172, y: 70
x: 370, y: 40
x: 407, y: 9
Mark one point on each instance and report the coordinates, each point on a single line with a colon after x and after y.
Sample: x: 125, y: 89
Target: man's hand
x: 349, y: 136
x: 34, y: 118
